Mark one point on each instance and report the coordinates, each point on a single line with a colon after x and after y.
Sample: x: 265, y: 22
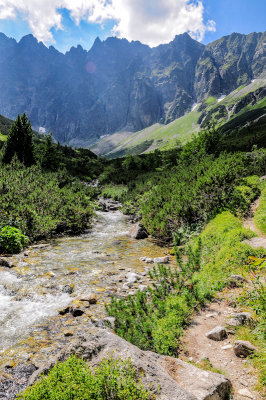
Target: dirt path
x: 220, y: 354
x: 197, y: 347
x: 260, y: 240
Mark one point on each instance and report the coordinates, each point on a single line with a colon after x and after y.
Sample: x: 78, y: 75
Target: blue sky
x: 66, y: 23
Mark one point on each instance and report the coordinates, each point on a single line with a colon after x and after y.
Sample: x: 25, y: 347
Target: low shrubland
x: 40, y: 204
x: 75, y: 380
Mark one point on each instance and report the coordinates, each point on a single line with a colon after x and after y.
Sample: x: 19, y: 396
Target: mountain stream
x: 44, y: 276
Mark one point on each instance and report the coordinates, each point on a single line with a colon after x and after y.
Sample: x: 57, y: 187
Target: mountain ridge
x: 120, y: 85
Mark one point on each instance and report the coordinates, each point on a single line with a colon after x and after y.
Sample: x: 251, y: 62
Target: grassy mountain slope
x: 242, y: 114
x: 5, y: 124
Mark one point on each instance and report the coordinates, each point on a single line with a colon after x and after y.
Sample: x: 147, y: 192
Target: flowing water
x: 33, y: 291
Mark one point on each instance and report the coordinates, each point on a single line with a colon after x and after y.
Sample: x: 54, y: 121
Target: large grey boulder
x: 217, y: 333
x: 138, y: 231
x: 243, y: 348
x: 177, y: 379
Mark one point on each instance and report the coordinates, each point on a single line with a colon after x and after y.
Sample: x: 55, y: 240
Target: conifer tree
x: 19, y: 142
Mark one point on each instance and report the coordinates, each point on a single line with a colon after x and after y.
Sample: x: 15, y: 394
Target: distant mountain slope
x: 241, y: 114
x: 119, y: 85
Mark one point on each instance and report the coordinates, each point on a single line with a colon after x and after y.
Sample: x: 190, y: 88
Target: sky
x: 66, y: 23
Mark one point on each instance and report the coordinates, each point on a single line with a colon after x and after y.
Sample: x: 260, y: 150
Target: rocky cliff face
x: 116, y: 85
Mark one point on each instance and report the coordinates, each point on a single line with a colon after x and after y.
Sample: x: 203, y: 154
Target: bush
x: 75, y: 380
x: 154, y: 320
x: 12, y: 240
x: 41, y: 203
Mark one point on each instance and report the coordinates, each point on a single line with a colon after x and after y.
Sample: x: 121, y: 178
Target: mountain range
x: 82, y: 96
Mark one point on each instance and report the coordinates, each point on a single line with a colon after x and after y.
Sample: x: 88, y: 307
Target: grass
x: 157, y: 136
x: 115, y: 192
x: 2, y: 137
x: 260, y: 214
x: 75, y: 380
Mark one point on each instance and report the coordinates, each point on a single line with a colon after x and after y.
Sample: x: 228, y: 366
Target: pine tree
x: 19, y: 142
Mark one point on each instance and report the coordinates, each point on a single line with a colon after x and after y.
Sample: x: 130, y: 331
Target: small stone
x: 243, y: 348
x: 149, y: 260
x: 77, y: 312
x: 212, y: 315
x: 5, y: 262
x: 68, y: 333
x: 218, y: 333
x: 246, y: 393
x: 64, y: 311
x: 243, y: 383
x: 142, y: 288
x: 132, y: 277
x: 228, y: 346
x: 162, y: 260
x: 67, y: 289
x: 91, y: 298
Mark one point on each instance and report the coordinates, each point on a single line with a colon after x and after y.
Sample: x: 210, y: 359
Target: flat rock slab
x: 256, y: 242
x: 177, y: 379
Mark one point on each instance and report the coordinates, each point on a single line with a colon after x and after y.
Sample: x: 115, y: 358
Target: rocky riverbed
x: 55, y: 291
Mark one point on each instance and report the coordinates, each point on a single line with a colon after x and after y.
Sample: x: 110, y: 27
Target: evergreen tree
x: 51, y: 154
x: 19, y: 142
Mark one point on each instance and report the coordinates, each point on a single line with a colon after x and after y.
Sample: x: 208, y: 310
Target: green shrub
x: 75, y: 380
x: 40, y: 203
x: 12, y: 240
x: 154, y: 320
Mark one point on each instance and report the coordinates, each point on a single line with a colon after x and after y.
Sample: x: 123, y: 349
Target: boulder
x: 5, y: 262
x: 132, y: 277
x: 218, y: 333
x: 243, y: 317
x: 162, y: 260
x: 138, y: 231
x: 176, y: 379
x: 243, y: 348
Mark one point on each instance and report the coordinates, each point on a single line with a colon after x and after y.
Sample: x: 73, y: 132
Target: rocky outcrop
x: 176, y: 379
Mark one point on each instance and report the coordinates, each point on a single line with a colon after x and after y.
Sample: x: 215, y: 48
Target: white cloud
x: 150, y: 21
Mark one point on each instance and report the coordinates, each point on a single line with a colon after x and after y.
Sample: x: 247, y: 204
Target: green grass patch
x: 2, y: 137
x: 260, y: 214
x: 116, y: 192
x: 75, y: 380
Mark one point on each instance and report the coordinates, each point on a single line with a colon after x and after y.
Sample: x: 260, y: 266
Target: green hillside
x: 241, y: 113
